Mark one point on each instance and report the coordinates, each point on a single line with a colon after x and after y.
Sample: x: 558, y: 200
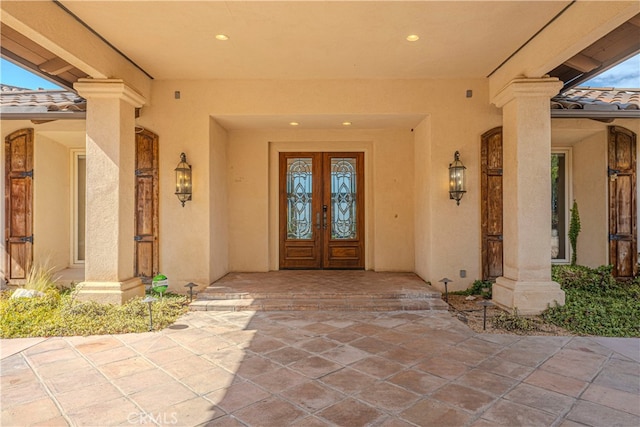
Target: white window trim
x: 75, y: 155
x: 568, y: 179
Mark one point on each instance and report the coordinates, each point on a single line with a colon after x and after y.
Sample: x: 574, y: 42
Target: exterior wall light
x: 457, y: 179
x: 183, y: 180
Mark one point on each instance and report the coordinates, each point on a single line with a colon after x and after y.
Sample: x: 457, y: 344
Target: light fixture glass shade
x: 457, y: 179
x: 183, y: 180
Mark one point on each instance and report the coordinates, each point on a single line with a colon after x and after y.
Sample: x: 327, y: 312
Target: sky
x: 13, y: 75
x: 624, y: 75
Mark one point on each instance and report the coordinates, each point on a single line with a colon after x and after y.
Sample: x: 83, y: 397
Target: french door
x: 321, y: 210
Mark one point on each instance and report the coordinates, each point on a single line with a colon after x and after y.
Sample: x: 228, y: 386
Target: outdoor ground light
x: 150, y: 301
x: 457, y: 179
x: 190, y: 285
x: 484, y: 304
x: 183, y: 180
x: 446, y: 291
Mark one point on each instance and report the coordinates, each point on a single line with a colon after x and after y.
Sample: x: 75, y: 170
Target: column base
x: 111, y: 292
x: 528, y: 298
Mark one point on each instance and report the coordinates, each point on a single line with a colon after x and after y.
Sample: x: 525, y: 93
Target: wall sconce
x: 183, y: 180
x: 457, y: 179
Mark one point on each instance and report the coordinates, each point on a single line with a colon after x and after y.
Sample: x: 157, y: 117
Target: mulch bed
x: 471, y: 313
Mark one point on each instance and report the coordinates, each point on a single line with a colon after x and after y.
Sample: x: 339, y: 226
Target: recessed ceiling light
x: 346, y: 123
x: 222, y: 37
x: 294, y: 123
x: 413, y: 37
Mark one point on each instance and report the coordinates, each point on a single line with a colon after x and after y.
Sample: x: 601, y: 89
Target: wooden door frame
x: 321, y: 251
x: 277, y: 147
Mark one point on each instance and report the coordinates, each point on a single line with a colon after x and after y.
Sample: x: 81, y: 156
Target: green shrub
x: 574, y: 231
x: 596, y: 304
x: 60, y: 314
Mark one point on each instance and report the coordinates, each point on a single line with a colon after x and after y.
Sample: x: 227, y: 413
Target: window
x: 560, y: 189
x: 79, y: 168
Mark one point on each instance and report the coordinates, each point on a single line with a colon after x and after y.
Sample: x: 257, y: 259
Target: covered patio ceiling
x: 318, y: 39
x: 340, y: 40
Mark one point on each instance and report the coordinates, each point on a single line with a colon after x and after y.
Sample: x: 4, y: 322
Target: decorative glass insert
x: 299, y: 198
x: 343, y: 198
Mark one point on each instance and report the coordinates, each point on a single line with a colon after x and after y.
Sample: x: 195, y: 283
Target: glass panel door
x: 321, y: 210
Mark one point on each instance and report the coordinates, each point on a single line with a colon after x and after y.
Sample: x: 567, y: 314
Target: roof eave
x: 591, y: 114
x: 55, y: 115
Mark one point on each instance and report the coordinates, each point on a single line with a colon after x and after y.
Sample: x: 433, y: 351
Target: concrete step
x: 326, y: 290
x: 221, y: 293
x: 318, y: 304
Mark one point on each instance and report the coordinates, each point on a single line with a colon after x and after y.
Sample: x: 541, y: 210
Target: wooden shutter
x: 146, y: 216
x: 491, y: 209
x: 623, y: 246
x: 19, y: 203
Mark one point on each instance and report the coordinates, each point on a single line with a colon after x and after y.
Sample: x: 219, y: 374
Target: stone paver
x: 310, y: 368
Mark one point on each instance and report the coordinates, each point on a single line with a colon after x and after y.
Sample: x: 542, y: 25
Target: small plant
x: 574, y: 230
x: 40, y: 278
x: 514, y: 322
x: 479, y: 287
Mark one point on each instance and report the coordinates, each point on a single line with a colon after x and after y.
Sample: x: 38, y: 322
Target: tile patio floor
x: 311, y: 368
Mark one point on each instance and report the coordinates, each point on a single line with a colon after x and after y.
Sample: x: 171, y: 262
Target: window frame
x: 75, y: 154
x: 568, y: 198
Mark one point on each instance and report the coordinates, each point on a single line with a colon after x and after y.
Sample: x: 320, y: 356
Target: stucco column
x: 110, y: 191
x: 526, y: 282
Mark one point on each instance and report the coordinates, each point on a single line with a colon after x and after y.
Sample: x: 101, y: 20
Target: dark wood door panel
x: 343, y: 179
x: 300, y: 210
x: 491, y: 159
x: 623, y: 246
x: 494, y: 257
x: 146, y: 258
x: 494, y: 205
x: 19, y: 203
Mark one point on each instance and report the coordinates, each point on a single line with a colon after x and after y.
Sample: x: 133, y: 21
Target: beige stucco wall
x: 219, y: 238
x: 51, y: 203
x: 185, y: 231
x: 411, y: 223
x: 590, y: 190
x: 422, y: 209
x: 388, y: 189
x: 455, y: 237
x: 52, y: 187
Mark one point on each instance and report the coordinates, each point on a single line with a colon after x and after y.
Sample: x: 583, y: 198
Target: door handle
x: 324, y: 216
